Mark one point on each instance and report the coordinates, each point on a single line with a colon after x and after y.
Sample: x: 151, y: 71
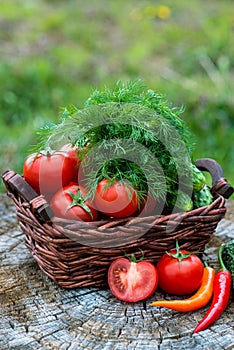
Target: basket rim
x: 115, y: 233
x: 158, y: 218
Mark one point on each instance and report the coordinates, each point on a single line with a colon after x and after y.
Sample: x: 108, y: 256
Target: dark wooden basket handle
x: 16, y: 184
x: 219, y: 184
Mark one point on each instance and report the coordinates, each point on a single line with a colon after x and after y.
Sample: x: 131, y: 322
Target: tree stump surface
x: 35, y: 313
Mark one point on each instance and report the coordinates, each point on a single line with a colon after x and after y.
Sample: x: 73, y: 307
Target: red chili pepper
x: 221, y: 295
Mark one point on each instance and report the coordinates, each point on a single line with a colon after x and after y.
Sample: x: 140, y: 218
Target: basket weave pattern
x: 56, y: 248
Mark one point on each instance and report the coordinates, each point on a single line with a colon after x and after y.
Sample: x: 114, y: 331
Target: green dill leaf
x: 129, y: 134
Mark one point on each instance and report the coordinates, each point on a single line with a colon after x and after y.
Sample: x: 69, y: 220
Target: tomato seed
x: 120, y: 269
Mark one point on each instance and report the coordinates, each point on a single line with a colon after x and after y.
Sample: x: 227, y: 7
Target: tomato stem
x: 48, y: 152
x: 78, y: 199
x: 179, y: 255
x: 133, y: 258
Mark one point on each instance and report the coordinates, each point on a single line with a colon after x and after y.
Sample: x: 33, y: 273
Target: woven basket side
x: 56, y: 248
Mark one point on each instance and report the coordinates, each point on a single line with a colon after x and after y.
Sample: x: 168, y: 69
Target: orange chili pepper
x: 196, y: 301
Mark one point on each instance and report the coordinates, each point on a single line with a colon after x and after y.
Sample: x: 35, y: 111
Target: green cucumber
x: 199, y: 179
x: 203, y: 197
x: 181, y: 201
x: 228, y: 258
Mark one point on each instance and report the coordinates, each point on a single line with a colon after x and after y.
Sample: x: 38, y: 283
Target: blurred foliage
x: 55, y: 53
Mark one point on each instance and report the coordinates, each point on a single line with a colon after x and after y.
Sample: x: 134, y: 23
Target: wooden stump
x: 37, y: 314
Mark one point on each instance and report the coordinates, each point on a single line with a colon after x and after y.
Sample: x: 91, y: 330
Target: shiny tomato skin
x: 117, y: 200
x: 132, y: 281
x: 179, y: 277
x: 47, y: 173
x: 61, y: 200
x: 72, y: 154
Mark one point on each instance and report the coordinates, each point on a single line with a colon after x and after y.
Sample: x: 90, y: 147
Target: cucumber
x: 228, y: 258
x: 181, y: 201
x: 202, y: 197
x: 185, y: 202
x: 199, y: 179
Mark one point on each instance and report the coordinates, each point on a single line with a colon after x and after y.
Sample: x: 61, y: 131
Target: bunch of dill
x: 131, y: 134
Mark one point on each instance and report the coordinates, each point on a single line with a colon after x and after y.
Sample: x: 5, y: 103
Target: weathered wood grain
x: 37, y: 314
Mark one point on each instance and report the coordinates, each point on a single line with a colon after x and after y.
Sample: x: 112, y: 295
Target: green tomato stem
x: 179, y: 255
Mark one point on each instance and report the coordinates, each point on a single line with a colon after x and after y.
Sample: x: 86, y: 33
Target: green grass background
x: 55, y: 53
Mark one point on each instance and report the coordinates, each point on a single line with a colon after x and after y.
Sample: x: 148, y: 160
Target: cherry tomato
x: 132, y: 281
x: 118, y: 199
x: 180, y: 272
x: 70, y: 202
x: 46, y: 173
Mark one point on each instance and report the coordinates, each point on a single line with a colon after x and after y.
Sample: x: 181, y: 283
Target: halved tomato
x: 132, y: 281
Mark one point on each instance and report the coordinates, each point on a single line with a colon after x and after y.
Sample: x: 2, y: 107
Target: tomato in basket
x: 71, y: 202
x: 180, y: 271
x: 131, y: 280
x: 115, y: 199
x: 72, y: 154
x: 46, y: 173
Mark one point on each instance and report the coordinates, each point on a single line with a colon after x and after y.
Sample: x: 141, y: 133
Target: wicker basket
x: 57, y: 244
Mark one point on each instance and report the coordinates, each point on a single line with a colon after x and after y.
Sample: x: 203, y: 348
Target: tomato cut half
x: 132, y: 281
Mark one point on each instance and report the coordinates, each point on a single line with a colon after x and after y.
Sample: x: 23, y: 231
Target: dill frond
x: 130, y: 134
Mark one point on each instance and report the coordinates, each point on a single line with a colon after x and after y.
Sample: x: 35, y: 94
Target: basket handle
x: 219, y: 184
x: 16, y: 184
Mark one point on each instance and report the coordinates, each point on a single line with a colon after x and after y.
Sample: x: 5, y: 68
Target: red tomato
x: 118, y: 200
x: 179, y: 277
x: 132, y: 281
x: 72, y: 154
x: 70, y: 203
x: 47, y: 173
